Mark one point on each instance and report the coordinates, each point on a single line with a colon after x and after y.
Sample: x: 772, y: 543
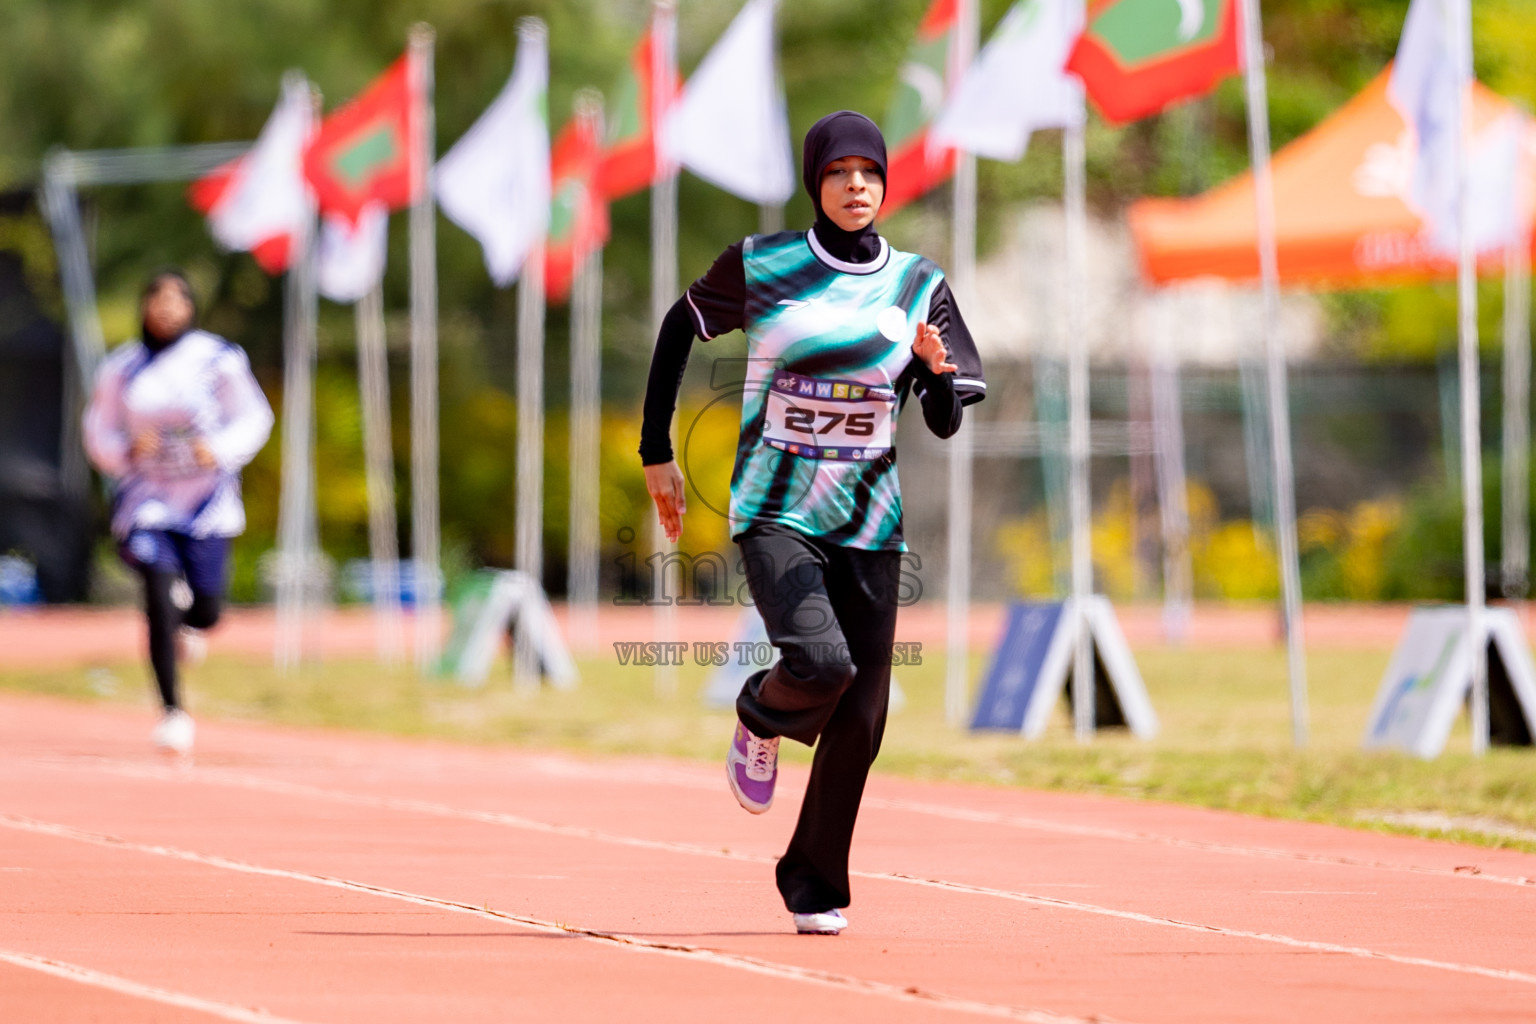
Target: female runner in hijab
x: 172, y: 419
x: 841, y: 331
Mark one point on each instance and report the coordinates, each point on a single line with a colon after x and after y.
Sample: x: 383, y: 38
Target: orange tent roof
x: 1339, y: 213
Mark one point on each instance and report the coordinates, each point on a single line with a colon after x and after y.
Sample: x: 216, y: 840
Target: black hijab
x: 845, y: 133
x: 153, y: 341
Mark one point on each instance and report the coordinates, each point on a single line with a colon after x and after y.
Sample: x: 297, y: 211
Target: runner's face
x: 851, y: 191
x: 167, y: 309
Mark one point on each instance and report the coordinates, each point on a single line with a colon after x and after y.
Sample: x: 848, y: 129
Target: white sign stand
x: 1430, y: 677
x: 1025, y: 674
x: 726, y: 681
x: 513, y: 600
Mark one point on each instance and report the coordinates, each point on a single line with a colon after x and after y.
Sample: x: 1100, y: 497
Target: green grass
x: 1225, y: 740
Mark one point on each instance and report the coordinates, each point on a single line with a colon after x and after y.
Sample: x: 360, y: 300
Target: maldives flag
x: 363, y: 151
x: 629, y: 163
x: 578, y: 214
x: 259, y: 203
x: 1138, y: 56
x: 917, y: 165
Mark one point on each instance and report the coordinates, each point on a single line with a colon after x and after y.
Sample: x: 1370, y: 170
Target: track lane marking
x: 1500, y: 973
x: 546, y: 764
x: 280, y: 787
x: 125, y: 986
x: 696, y: 954
x: 1154, y: 838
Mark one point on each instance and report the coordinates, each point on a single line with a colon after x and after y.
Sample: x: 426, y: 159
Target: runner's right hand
x: 665, y: 482
x: 145, y: 446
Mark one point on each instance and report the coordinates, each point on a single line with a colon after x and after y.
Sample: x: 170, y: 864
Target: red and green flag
x: 578, y: 213
x: 629, y: 163
x: 916, y: 165
x: 1138, y: 56
x: 363, y: 151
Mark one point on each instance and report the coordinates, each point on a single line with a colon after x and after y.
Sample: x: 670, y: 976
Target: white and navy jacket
x: 198, y: 388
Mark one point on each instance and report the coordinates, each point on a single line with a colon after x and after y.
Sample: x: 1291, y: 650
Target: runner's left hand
x: 203, y: 455
x: 929, y: 347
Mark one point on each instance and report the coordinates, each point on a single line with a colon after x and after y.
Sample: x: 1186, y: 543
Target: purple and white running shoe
x: 752, y: 766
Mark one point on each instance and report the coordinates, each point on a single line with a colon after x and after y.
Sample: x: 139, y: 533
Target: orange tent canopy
x: 1340, y: 218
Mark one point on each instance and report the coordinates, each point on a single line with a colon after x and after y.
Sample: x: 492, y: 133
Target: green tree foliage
x: 95, y: 74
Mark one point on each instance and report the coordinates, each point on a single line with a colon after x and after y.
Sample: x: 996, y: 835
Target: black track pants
x: 165, y: 619
x: 831, y: 612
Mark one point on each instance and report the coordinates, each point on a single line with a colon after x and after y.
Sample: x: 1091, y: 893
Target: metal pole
x: 962, y: 274
x: 1274, y: 358
x: 1516, y: 548
x: 1458, y: 16
x: 297, y: 498
x: 1074, y: 152
x: 663, y: 286
x: 425, y: 541
x: 529, y: 554
x: 586, y: 423
x: 62, y: 208
x: 1172, y: 484
x: 379, y: 467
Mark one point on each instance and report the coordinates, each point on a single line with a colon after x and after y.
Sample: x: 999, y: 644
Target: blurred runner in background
x: 172, y: 420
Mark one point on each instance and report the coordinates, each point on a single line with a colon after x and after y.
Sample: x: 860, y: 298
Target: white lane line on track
x: 1122, y: 835
x: 111, y: 982
x: 1500, y: 973
x: 696, y: 954
x: 276, y: 786
x: 553, y: 766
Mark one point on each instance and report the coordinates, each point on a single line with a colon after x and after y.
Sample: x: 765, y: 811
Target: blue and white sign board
x: 1430, y: 678
x: 751, y: 652
x: 1033, y: 666
x: 502, y: 601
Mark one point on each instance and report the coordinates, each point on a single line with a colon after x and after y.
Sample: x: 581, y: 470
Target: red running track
x: 327, y: 877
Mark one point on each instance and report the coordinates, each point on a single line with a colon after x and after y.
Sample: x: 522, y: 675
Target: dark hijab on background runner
x: 153, y: 340
x: 845, y: 133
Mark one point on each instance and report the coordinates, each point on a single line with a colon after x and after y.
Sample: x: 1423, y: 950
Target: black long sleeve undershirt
x: 673, y: 343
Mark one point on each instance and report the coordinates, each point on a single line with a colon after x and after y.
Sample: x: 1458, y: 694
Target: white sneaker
x: 191, y: 646
x: 828, y: 922
x: 174, y: 733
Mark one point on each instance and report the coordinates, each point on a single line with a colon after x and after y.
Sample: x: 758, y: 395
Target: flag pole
x: 963, y: 278
x: 1275, y: 368
x: 1516, y: 548
x: 1075, y: 158
x: 1459, y: 30
x: 1172, y: 482
x: 663, y: 290
x: 528, y: 556
x: 424, y: 440
x: 296, y: 517
x: 586, y: 418
x: 379, y: 469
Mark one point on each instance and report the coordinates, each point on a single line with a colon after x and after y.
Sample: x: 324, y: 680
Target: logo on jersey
x: 892, y: 322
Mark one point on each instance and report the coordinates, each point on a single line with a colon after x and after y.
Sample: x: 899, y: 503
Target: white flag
x: 265, y: 199
x: 1017, y: 84
x: 494, y: 182
x: 1426, y: 88
x: 730, y: 127
x: 349, y: 259
x: 1499, y: 205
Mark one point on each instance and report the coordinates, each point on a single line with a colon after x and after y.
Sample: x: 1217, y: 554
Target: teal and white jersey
x: 828, y: 346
